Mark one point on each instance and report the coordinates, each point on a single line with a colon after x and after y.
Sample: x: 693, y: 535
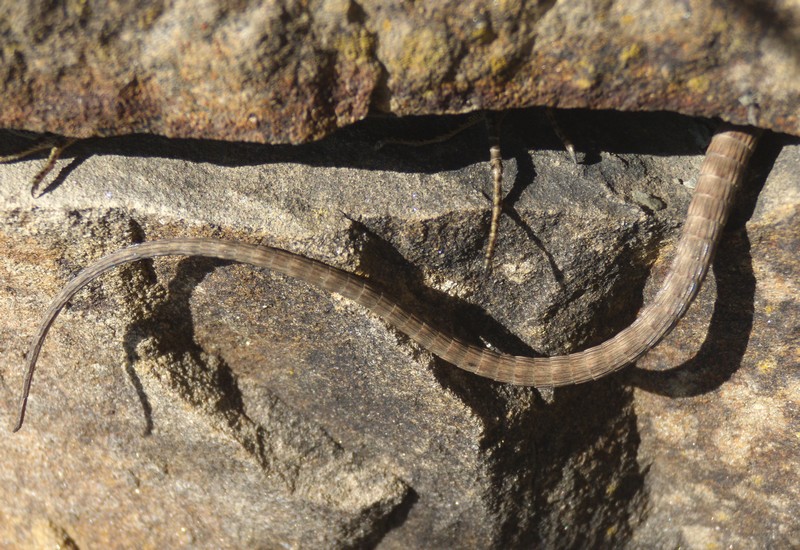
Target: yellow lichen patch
x: 698, y: 84
x: 146, y: 17
x: 354, y: 46
x: 766, y: 366
x: 424, y: 53
x: 585, y: 75
x: 631, y: 52
x: 481, y: 32
x: 429, y: 96
x: 721, y: 26
x: 498, y: 64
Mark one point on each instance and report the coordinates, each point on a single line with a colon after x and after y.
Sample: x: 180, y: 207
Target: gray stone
x: 191, y: 402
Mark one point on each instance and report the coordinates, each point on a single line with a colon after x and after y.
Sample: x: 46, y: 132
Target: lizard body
x: 720, y: 175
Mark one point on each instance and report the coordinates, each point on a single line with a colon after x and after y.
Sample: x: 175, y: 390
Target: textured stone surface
x: 186, y: 402
x: 721, y: 432
x: 282, y: 71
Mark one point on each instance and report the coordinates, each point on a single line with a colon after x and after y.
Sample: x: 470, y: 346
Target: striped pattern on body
x: 721, y: 174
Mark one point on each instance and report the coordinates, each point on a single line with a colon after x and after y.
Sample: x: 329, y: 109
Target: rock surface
x: 280, y: 71
x: 185, y: 402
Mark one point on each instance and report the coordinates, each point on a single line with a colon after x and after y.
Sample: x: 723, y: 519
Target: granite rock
x: 198, y: 403
x: 291, y: 71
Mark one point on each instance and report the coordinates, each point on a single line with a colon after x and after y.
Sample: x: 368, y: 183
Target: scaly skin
x: 720, y: 176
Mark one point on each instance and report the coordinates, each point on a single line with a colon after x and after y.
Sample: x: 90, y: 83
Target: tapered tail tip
x: 20, y: 418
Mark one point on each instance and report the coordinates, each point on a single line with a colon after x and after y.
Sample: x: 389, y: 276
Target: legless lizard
x: 720, y: 175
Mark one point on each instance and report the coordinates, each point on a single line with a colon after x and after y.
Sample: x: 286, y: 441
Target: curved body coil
x: 720, y: 176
